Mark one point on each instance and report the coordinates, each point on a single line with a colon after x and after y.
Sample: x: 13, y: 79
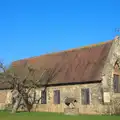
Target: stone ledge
x: 71, y: 111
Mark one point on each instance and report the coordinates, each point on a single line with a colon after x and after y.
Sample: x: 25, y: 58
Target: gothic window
x: 116, y: 78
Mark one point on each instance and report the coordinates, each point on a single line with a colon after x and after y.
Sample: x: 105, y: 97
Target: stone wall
x: 5, y: 98
x: 96, y: 99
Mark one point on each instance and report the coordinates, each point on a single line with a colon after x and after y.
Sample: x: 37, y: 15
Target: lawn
x: 52, y: 116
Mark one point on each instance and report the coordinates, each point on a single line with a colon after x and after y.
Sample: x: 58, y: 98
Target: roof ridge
x: 91, y: 45
x: 69, y: 50
x: 82, y: 47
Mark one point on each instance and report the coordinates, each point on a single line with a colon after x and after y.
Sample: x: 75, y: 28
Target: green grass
x: 51, y: 116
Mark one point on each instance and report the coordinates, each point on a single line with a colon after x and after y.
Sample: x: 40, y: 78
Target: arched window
x: 116, y: 78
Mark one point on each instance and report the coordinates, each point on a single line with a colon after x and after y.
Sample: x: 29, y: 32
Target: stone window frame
x: 56, y: 95
x: 116, y: 74
x: 84, y: 100
x: 116, y: 80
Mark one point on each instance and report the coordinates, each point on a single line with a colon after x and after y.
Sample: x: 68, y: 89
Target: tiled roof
x: 79, y: 65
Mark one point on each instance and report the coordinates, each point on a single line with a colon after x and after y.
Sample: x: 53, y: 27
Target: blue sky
x: 34, y: 27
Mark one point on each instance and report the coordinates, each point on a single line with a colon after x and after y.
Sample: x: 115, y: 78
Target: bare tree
x: 24, y: 86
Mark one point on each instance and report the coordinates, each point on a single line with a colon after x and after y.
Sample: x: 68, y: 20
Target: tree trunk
x: 28, y: 105
x: 16, y: 105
